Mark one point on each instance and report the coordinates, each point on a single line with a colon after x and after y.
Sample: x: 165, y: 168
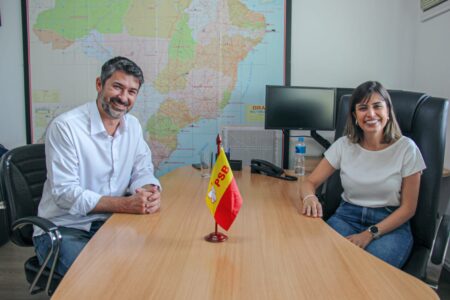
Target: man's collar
x: 97, y: 123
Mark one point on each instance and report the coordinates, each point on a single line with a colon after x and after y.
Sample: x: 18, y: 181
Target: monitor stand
x: 286, y: 138
x: 322, y: 141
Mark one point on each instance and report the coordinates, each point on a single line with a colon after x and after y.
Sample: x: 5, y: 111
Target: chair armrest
x: 52, y: 256
x: 23, y: 238
x: 438, y: 251
x: 441, y: 241
x: 42, y: 223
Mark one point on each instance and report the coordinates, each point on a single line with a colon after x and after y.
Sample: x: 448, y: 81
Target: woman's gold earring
x: 356, y: 122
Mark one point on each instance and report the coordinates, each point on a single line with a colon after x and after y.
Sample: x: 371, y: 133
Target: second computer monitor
x: 300, y: 108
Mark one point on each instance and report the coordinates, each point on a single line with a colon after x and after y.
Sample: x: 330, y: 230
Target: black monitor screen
x: 301, y: 108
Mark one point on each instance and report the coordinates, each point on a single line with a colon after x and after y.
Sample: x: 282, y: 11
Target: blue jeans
x: 73, y: 241
x: 393, y: 247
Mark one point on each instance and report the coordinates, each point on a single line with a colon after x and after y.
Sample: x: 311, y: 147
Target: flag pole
x: 216, y: 236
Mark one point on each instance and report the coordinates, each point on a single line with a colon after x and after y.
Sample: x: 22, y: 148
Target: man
x: 95, y: 155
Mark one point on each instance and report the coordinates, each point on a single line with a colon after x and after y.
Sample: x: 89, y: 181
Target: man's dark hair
x: 124, y: 64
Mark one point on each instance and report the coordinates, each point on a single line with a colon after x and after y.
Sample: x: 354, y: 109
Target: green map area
x: 200, y: 59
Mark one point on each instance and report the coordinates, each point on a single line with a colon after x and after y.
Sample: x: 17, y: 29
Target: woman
x: 380, y: 172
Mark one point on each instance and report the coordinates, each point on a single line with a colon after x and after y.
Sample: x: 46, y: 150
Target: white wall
x: 432, y: 62
x: 343, y: 43
x: 12, y: 98
x: 432, y: 69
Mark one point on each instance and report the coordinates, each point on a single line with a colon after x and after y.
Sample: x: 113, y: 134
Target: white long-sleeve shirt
x: 85, y: 163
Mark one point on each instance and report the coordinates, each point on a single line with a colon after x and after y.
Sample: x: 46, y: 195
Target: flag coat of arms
x: 223, y: 197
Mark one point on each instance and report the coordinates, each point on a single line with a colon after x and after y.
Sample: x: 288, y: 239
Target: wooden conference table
x: 273, y: 252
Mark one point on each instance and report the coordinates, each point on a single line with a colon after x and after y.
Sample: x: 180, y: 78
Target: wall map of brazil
x: 205, y: 63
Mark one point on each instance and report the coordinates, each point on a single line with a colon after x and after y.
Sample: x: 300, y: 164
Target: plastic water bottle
x: 299, y: 158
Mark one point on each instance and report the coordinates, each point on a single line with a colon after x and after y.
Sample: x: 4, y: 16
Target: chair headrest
x: 405, y: 105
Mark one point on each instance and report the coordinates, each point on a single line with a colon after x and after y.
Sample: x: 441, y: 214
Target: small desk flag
x: 223, y: 198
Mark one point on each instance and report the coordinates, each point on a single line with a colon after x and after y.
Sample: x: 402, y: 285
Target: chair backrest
x: 23, y: 173
x: 423, y: 119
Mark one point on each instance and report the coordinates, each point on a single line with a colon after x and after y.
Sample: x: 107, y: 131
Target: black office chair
x: 423, y: 119
x: 4, y: 231
x: 23, y: 173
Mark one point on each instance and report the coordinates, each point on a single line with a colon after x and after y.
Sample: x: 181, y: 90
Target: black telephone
x: 269, y: 169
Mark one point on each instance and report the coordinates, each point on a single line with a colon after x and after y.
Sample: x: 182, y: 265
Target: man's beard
x: 110, y: 111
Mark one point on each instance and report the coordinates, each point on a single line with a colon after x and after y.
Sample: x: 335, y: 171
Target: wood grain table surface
x: 273, y: 252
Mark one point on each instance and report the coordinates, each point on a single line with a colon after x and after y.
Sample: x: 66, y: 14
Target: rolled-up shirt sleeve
x: 63, y: 172
x: 143, y: 171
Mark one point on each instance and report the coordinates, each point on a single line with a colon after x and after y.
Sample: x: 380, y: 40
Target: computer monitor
x: 300, y: 108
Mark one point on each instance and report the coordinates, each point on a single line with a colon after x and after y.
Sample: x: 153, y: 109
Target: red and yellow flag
x: 223, y: 198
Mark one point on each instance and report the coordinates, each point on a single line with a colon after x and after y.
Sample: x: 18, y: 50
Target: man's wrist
x: 157, y: 187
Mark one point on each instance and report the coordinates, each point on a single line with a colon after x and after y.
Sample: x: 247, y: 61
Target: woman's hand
x: 312, y: 207
x: 361, y: 239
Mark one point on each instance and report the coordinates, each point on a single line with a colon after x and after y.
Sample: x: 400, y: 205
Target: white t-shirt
x: 374, y: 178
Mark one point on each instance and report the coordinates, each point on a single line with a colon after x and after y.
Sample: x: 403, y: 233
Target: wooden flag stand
x: 216, y: 236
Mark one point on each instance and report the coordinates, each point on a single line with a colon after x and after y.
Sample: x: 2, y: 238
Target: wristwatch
x: 374, y: 231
